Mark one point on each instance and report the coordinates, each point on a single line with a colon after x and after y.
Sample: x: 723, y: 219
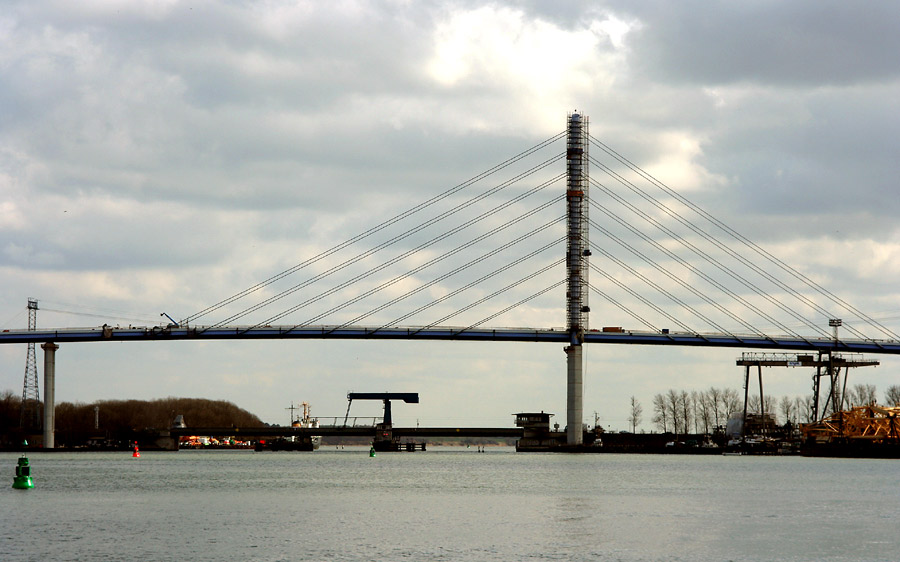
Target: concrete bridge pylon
x: 577, y: 254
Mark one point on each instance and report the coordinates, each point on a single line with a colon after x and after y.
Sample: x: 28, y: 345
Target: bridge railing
x: 354, y: 421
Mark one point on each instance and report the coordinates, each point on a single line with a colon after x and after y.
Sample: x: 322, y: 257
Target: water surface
x: 448, y: 504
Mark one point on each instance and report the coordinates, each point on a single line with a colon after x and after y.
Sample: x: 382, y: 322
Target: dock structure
x: 385, y: 438
x: 415, y: 433
x: 386, y: 397
x: 536, y: 433
x: 827, y: 365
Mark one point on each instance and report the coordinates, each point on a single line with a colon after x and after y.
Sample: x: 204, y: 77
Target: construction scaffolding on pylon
x: 30, y: 416
x: 577, y: 253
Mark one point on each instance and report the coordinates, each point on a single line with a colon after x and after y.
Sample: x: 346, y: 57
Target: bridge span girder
x: 559, y: 335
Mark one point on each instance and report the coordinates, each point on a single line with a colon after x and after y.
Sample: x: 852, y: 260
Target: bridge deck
x: 550, y: 335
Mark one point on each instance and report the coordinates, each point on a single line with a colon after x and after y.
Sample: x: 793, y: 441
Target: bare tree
x: 803, y: 406
x: 753, y: 404
x: 801, y: 409
x: 673, y: 406
x: 714, y: 399
x: 702, y: 412
x: 731, y: 402
x: 636, y: 412
x: 770, y: 405
x: 786, y: 409
x: 685, y: 404
x: 862, y: 395
x: 892, y: 395
x: 660, y: 413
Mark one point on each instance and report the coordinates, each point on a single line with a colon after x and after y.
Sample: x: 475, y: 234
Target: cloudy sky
x: 160, y: 156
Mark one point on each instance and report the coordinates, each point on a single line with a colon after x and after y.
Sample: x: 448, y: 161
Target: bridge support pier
x: 49, y: 389
x: 575, y: 396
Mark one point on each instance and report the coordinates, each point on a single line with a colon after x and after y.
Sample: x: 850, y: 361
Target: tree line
x: 680, y: 411
x: 117, y: 419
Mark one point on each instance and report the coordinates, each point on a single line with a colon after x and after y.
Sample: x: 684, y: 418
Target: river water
x: 448, y: 504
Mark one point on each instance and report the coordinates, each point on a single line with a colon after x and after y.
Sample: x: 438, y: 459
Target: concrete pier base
x: 574, y: 395
x: 49, y: 388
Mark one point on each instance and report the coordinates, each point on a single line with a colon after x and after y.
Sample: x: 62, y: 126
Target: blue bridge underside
x: 559, y: 335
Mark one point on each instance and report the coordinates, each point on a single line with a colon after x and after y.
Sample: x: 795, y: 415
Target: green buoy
x: 23, y: 480
x: 372, y: 452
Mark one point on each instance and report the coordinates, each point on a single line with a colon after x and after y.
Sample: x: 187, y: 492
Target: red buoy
x: 136, y: 453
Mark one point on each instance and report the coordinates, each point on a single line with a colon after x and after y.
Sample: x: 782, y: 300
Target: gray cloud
x: 795, y: 44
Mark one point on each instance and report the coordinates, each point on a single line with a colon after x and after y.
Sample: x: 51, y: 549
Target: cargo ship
x: 302, y: 442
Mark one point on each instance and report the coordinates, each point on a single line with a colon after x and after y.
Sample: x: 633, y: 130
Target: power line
x: 102, y: 316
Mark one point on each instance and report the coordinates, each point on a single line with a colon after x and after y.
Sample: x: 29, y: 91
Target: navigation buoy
x: 23, y: 480
x: 372, y: 452
x: 136, y: 452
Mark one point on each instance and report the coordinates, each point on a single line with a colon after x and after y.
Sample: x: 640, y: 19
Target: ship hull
x: 299, y: 444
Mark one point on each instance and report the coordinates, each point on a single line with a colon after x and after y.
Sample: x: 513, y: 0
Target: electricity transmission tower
x: 30, y: 417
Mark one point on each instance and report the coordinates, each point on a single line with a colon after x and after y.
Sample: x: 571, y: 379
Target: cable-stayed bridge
x: 507, y: 247
x: 491, y: 251
x: 545, y: 335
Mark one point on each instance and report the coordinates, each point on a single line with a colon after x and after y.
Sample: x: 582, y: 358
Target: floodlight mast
x: 835, y: 323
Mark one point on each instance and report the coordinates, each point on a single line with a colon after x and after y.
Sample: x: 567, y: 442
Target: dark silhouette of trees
x: 120, y: 420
